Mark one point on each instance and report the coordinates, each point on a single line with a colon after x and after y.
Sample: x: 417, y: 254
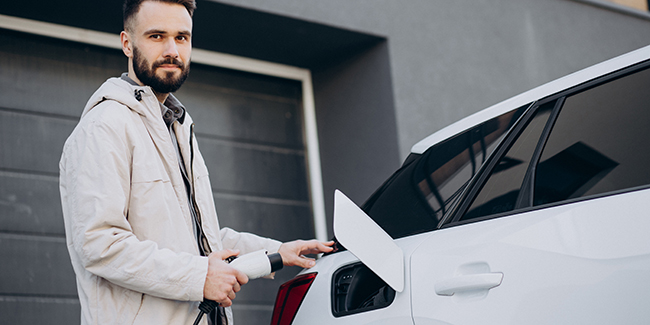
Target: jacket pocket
x: 147, y: 173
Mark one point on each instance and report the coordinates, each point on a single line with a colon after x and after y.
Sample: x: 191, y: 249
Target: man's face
x: 161, y: 80
x: 161, y: 46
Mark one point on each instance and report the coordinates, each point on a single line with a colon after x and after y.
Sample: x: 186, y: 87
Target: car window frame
x: 477, y: 182
x: 414, y: 160
x: 524, y: 199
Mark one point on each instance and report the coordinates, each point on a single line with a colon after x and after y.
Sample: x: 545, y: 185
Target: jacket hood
x: 120, y: 91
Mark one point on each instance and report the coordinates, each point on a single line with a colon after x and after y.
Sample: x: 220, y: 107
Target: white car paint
x: 354, y: 230
x: 603, y: 246
x: 318, y: 308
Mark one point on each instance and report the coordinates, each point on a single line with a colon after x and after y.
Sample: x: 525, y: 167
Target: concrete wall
x: 451, y: 58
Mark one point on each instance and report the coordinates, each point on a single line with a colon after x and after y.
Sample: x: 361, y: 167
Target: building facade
x: 292, y: 99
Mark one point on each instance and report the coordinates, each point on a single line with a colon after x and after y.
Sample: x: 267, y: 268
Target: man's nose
x: 171, y: 48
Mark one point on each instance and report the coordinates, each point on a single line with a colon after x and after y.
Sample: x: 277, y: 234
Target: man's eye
x: 182, y: 38
x: 156, y: 36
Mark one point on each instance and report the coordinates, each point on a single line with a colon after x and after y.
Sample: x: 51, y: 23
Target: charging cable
x: 255, y: 265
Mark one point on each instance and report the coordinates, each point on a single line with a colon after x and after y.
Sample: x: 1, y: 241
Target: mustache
x: 173, y: 61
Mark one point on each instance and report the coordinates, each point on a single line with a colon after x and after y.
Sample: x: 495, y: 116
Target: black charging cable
x: 205, y: 308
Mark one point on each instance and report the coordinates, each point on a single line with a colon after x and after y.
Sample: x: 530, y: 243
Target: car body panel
x: 318, y: 310
x: 602, y: 245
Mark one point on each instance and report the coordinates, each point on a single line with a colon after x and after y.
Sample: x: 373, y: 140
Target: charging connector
x: 255, y: 265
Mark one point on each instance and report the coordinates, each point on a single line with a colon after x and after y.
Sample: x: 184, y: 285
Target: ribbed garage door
x: 249, y: 129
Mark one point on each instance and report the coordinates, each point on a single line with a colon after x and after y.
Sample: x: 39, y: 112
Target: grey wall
x: 44, y: 85
x: 356, y: 125
x: 450, y: 58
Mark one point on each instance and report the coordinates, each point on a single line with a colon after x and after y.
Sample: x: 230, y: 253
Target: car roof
x: 534, y: 94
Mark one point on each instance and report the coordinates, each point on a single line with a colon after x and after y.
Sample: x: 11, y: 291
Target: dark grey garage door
x: 249, y: 129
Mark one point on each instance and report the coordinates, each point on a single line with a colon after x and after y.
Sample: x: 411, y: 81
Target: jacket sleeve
x: 95, y: 190
x: 247, y: 242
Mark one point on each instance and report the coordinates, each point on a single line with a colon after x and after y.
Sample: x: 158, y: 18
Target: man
x: 141, y: 225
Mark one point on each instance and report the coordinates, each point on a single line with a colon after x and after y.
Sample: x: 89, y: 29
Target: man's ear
x: 127, y: 45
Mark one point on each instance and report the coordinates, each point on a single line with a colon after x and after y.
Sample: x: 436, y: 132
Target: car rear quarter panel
x: 316, y: 308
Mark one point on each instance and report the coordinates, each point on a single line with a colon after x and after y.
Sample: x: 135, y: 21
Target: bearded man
x: 140, y: 221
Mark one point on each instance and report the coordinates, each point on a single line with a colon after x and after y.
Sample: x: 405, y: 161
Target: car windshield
x: 414, y: 199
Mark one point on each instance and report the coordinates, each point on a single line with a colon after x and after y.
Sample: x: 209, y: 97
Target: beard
x: 146, y: 73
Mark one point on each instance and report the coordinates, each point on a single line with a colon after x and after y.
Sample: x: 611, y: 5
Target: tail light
x: 290, y: 296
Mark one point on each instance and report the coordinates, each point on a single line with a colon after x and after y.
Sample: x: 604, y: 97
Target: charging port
x: 356, y: 289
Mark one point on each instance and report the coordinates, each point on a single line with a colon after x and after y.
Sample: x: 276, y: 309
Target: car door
x: 564, y: 265
x: 555, y: 229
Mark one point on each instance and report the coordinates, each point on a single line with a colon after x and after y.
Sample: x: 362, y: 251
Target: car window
x: 414, y: 199
x: 599, y: 142
x: 500, y: 192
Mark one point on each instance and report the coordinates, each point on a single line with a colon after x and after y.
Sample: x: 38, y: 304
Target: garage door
x: 249, y: 129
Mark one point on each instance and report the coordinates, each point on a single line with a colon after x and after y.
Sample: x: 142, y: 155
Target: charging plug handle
x: 276, y: 262
x: 254, y: 265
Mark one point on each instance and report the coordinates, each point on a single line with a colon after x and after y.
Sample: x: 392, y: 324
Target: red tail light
x: 290, y: 296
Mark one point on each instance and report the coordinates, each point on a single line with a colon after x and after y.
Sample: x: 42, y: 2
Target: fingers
x: 292, y: 252
x: 301, y: 261
x: 221, y: 290
x: 231, y: 296
x: 232, y: 286
x: 242, y: 278
x: 223, y: 281
x: 225, y: 253
x: 236, y: 287
x: 225, y: 301
x: 305, y: 262
x: 315, y: 247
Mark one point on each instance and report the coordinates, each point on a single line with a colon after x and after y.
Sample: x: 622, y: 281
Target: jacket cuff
x: 196, y: 290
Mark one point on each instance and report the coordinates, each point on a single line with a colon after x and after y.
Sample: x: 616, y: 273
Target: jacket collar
x: 171, y: 110
x: 124, y: 93
x: 140, y: 99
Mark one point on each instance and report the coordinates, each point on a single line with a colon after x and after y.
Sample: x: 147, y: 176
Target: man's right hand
x: 222, y: 280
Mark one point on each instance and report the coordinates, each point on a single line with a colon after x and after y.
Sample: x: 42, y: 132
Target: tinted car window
x: 599, y: 142
x: 500, y: 192
x: 414, y: 199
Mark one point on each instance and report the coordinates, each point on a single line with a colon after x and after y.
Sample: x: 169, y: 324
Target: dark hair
x: 131, y: 7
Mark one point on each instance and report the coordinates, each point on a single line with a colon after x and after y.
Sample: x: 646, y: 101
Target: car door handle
x: 469, y: 282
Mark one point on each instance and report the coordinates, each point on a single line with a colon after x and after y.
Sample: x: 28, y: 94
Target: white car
x: 533, y: 211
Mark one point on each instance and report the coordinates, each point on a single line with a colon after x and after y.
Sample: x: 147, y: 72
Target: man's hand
x: 292, y: 252
x: 222, y: 280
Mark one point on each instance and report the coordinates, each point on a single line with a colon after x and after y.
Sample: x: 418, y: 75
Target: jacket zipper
x: 204, y: 238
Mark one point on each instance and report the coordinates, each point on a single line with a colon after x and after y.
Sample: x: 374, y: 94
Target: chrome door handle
x: 469, y: 282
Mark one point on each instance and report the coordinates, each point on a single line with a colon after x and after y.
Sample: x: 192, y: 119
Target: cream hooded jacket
x: 127, y: 220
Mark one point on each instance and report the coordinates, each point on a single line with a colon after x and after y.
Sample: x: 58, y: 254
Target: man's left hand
x: 293, y: 252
